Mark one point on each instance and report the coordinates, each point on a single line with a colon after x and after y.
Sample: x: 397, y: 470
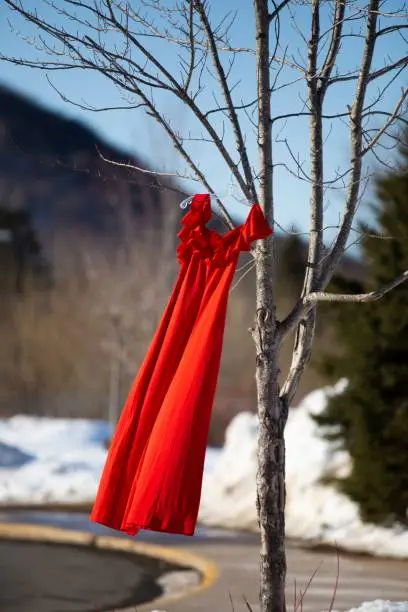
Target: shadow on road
x: 43, y: 577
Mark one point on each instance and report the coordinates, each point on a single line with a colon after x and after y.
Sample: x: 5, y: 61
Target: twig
x: 135, y: 168
x: 336, y: 585
x: 299, y: 602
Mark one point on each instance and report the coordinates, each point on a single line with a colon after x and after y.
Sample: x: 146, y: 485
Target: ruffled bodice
x: 195, y: 237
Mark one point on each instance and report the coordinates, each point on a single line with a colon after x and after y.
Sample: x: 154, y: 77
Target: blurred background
x: 88, y: 262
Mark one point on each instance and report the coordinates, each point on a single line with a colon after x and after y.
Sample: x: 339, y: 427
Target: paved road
x: 361, y: 578
x: 38, y: 577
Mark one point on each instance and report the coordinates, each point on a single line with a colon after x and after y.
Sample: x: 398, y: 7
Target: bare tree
x: 334, y: 68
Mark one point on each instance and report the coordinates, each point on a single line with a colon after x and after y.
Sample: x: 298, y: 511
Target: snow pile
x: 45, y: 460
x: 379, y: 605
x: 314, y: 512
x: 12, y: 457
x: 66, y: 455
x: 60, y: 460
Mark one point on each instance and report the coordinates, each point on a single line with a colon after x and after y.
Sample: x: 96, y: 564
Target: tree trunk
x: 271, y: 453
x: 272, y: 413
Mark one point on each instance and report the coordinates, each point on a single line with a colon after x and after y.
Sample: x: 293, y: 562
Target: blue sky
x: 137, y: 134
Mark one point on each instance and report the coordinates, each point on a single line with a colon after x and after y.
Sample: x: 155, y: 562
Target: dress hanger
x: 237, y: 210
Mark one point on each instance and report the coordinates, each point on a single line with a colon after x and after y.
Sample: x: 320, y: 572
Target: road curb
x: 56, y: 535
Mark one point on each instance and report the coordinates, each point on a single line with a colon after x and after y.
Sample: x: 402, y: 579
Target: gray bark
x: 271, y: 446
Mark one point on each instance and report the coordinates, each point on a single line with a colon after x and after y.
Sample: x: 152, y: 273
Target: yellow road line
x: 43, y: 533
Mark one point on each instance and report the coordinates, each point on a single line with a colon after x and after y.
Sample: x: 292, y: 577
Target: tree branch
x: 402, y: 62
x: 305, y: 333
x: 231, y: 109
x: 134, y: 168
x: 356, y: 113
x: 372, y: 296
x: 334, y: 48
x: 316, y: 96
x: 307, y: 304
x: 387, y: 124
x: 192, y: 47
x: 277, y: 10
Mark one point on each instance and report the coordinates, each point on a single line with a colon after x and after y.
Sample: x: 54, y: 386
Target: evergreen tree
x: 370, y: 418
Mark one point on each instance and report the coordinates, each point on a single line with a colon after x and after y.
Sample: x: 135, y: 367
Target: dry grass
x: 300, y: 594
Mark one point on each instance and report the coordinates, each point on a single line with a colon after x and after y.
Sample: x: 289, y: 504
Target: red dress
x: 153, y: 473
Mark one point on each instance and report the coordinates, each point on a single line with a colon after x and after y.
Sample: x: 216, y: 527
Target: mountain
x: 52, y: 166
x: 53, y: 178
